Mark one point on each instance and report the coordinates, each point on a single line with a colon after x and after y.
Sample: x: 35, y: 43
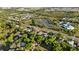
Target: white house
x: 71, y: 42
x: 17, y: 26
x: 67, y: 25
x: 77, y: 44
x: 42, y: 33
x: 29, y: 28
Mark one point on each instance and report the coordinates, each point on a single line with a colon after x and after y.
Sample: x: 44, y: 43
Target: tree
x: 73, y: 49
x: 59, y: 35
x: 65, y: 46
x: 50, y: 40
x: 28, y: 46
x: 10, y: 38
x: 9, y: 25
x: 25, y: 39
x: 39, y: 38
x: 56, y: 46
x: 33, y: 22
x: 46, y: 41
x: 77, y: 48
x: 32, y: 36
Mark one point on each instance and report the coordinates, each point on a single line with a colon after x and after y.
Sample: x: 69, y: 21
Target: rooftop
x: 67, y: 25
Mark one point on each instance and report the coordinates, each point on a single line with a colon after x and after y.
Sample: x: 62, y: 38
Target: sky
x: 39, y: 3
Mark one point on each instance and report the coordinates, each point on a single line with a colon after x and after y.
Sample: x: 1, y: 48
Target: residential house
x: 29, y: 28
x: 44, y: 34
x: 71, y: 42
x: 67, y: 25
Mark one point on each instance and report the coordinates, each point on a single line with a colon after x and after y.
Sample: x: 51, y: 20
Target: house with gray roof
x: 67, y: 25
